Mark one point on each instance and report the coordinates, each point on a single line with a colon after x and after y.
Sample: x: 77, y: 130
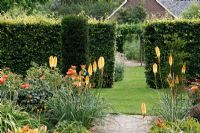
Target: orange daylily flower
x: 2, y: 80
x: 24, y: 86
x: 71, y: 72
x: 194, y: 88
x: 160, y: 123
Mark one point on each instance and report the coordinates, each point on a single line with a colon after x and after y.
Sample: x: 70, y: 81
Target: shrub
x: 52, y: 77
x: 132, y: 49
x: 22, y: 43
x: 125, y: 32
x: 131, y: 15
x: 12, y: 117
x: 12, y: 81
x: 187, y: 126
x: 177, y: 37
x: 102, y: 44
x: 6, y: 5
x: 75, y: 41
x: 69, y: 127
x: 95, y: 9
x: 119, y: 70
x: 82, y: 107
x: 35, y: 97
x: 171, y: 109
x: 192, y: 12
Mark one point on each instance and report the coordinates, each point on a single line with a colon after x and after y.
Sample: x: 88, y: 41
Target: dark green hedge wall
x: 75, y: 44
x: 22, y: 43
x: 124, y: 31
x: 160, y: 33
x: 102, y: 39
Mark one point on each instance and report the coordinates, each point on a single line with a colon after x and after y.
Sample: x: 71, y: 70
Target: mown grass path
x: 126, y: 96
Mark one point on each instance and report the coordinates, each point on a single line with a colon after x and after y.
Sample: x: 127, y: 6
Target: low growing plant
x: 71, y: 127
x: 11, y: 117
x: 83, y: 107
x: 188, y: 125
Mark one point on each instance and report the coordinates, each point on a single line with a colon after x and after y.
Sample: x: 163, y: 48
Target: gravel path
x: 130, y: 63
x: 124, y: 124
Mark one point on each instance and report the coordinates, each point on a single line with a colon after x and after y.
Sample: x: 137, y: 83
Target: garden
x: 63, y: 69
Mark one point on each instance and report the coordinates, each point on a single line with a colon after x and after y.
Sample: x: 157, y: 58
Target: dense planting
x: 177, y: 37
x: 100, y: 45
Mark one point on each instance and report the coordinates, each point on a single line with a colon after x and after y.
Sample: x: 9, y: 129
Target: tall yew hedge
x: 22, y: 43
x: 74, y: 41
x: 184, y: 35
x: 75, y: 44
x: 102, y: 40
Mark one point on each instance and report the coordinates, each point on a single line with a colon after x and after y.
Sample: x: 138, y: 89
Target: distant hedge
x: 22, y: 43
x: 75, y: 44
x: 127, y: 30
x: 102, y: 39
x: 182, y: 37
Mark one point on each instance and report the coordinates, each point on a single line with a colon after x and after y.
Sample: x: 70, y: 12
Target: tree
x: 132, y: 15
x: 5, y: 5
x: 192, y: 12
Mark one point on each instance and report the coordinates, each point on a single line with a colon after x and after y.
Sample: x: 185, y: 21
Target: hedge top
x: 28, y: 20
x: 193, y: 21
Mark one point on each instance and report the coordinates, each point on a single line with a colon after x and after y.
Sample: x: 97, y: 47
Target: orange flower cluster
x: 3, y: 79
x: 24, y: 86
x: 27, y: 129
x: 160, y: 123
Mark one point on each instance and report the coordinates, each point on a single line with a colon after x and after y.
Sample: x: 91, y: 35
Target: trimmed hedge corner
x: 22, y: 43
x: 102, y: 39
x: 75, y: 45
x: 182, y: 37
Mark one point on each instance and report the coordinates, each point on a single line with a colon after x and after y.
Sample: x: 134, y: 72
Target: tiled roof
x: 176, y: 7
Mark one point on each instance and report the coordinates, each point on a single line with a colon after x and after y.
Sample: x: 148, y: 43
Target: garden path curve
x: 124, y: 124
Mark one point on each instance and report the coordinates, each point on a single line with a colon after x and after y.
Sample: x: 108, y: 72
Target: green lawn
x: 126, y: 96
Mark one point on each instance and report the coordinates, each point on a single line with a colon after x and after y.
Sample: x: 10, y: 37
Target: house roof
x: 175, y: 7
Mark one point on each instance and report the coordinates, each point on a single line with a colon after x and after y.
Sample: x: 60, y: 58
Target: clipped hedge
x: 22, y: 43
x: 160, y: 33
x: 75, y: 44
x: 124, y: 31
x: 102, y: 39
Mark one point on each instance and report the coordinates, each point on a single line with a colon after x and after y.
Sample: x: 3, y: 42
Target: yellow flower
x: 155, y: 68
x: 143, y: 109
x: 95, y: 66
x: 177, y: 80
x: 101, y: 62
x: 87, y: 80
x: 90, y: 69
x: 157, y: 51
x: 170, y: 59
x: 53, y: 61
x: 183, y: 68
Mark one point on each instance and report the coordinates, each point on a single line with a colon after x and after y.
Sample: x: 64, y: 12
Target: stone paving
x: 124, y: 124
